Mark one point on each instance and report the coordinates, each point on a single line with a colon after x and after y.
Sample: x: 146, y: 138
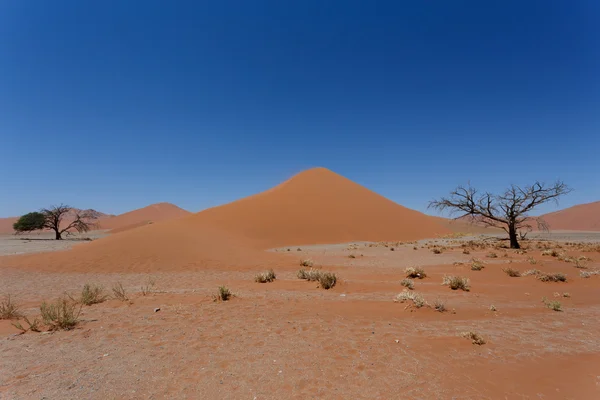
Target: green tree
x: 52, y: 218
x: 32, y: 221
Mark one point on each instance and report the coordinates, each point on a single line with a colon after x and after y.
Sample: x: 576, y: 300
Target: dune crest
x: 582, y: 217
x: 143, y: 216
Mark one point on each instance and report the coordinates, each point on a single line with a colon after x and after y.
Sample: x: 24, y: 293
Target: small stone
x: 397, y: 341
x: 157, y: 309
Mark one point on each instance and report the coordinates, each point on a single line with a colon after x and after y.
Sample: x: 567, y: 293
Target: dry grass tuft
x: 92, y: 294
x: 307, y: 263
x: 546, y: 277
x: 406, y: 295
x: 408, y: 283
x: 531, y: 272
x: 477, y: 265
x: 327, y: 280
x: 264, y: 277
x: 532, y: 260
x: 587, y: 274
x: 33, y: 326
x: 552, y: 304
x: 119, y: 292
x: 493, y: 308
x: 515, y: 273
x: 439, y: 306
x: 223, y: 294
x: 63, y: 314
x: 474, y: 337
x: 415, y: 272
x: 492, y: 255
x: 457, y: 282
x: 148, y: 287
x: 9, y: 309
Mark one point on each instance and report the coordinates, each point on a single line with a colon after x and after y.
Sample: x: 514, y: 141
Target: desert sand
x: 291, y: 338
x: 143, y: 216
x: 582, y: 217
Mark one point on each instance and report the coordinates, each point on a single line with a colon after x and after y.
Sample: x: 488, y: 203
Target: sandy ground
x: 291, y: 339
x: 40, y: 242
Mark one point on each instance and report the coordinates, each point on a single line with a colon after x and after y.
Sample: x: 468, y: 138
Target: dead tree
x: 83, y: 221
x: 508, y: 211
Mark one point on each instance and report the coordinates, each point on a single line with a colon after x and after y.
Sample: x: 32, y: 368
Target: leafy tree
x: 508, y: 211
x: 30, y: 222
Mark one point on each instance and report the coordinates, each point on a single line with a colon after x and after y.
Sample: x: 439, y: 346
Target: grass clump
x: 588, y: 274
x: 406, y: 295
x: 310, y: 275
x: 546, y: 277
x: 439, y: 305
x: 437, y: 250
x: 63, y: 314
x: 33, y: 326
x: 9, y: 309
x: 515, y: 273
x: 477, y: 265
x: 474, y: 337
x: 552, y: 304
x: 119, y: 292
x: 457, y: 282
x: 531, y: 272
x: 223, y: 294
x: 327, y: 280
x: 307, y: 263
x: 148, y: 287
x: 264, y: 277
x: 408, y: 283
x: 92, y: 294
x: 415, y: 272
x: 531, y: 260
x: 493, y: 308
x: 492, y: 255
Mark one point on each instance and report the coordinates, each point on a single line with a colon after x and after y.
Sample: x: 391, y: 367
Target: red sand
x: 6, y: 224
x: 143, y: 216
x: 314, y: 207
x: 319, y: 206
x: 582, y: 217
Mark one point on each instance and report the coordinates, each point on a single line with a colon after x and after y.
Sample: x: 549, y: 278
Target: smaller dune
x: 143, y: 216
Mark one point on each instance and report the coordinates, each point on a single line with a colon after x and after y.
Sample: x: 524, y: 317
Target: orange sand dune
x: 582, y: 217
x: 143, y: 216
x: 316, y: 206
x: 6, y: 224
x: 319, y: 206
x: 464, y: 226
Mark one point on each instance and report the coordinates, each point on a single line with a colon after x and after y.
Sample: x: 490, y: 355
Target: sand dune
x: 464, y: 226
x: 582, y: 217
x: 319, y: 206
x: 6, y: 224
x: 143, y: 216
x: 314, y: 207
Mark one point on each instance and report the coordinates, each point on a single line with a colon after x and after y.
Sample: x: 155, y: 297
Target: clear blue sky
x: 114, y: 105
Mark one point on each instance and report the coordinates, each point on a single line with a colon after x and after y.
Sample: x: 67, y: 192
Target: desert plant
x: 327, y: 280
x: 477, y: 265
x: 531, y: 260
x: 492, y: 255
x: 437, y: 250
x: 119, y: 292
x: 466, y: 251
x: 546, y: 277
x: 148, y: 287
x: 264, y: 277
x: 63, y: 314
x: 92, y: 294
x: 415, y: 272
x: 493, y: 308
x: 457, y: 282
x: 351, y: 256
x: 406, y: 295
x: 223, y: 294
x: 552, y: 304
x: 9, y: 309
x: 587, y: 274
x: 307, y: 263
x: 33, y: 326
x: 439, y: 305
x: 531, y: 272
x: 310, y: 275
x: 474, y: 337
x: 515, y: 273
x: 408, y: 283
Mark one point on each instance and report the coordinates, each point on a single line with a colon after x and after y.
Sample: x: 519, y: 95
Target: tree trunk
x: 58, y: 235
x: 512, y: 234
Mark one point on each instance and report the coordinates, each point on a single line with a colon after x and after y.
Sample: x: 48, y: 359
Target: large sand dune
x: 143, y: 216
x: 6, y: 224
x: 319, y: 206
x: 582, y: 217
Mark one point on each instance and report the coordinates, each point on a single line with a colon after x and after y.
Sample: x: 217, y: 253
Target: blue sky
x: 114, y: 105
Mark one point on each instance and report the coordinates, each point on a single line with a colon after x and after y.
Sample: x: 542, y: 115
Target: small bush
x: 552, y: 304
x: 531, y: 272
x: 33, y: 326
x: 587, y: 274
x: 417, y: 300
x: 310, y: 275
x: 408, y: 283
x: 553, y: 253
x: 457, y: 282
x: 437, y: 250
x: 439, y: 306
x: 264, y: 277
x: 351, y: 256
x: 9, y: 309
x: 531, y: 260
x: 466, y: 251
x: 474, y: 337
x: 92, y: 294
x: 515, y: 273
x: 477, y: 265
x: 307, y: 263
x: 558, y: 277
x: 119, y: 292
x: 63, y: 314
x: 492, y: 255
x: 493, y: 308
x: 327, y: 280
x: 223, y: 294
x: 148, y: 287
x: 415, y: 272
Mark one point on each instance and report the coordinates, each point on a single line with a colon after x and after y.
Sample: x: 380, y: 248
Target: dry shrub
x: 587, y: 274
x: 63, y: 314
x: 415, y: 272
x: 492, y: 255
x: 531, y: 272
x: 148, y: 287
x: 439, y: 306
x: 457, y: 282
x: 119, y: 292
x: 493, y: 308
x: 408, y: 283
x: 33, y: 326
x: 474, y: 337
x: 9, y: 309
x: 406, y: 295
x: 92, y: 294
x: 552, y: 304
x: 437, y: 250
x: 310, y: 275
x: 546, y: 277
x: 264, y: 277
x: 531, y: 260
x: 327, y: 280
x: 477, y: 265
x: 307, y: 263
x: 223, y: 294
x: 466, y: 251
x: 512, y: 272
x: 351, y: 256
